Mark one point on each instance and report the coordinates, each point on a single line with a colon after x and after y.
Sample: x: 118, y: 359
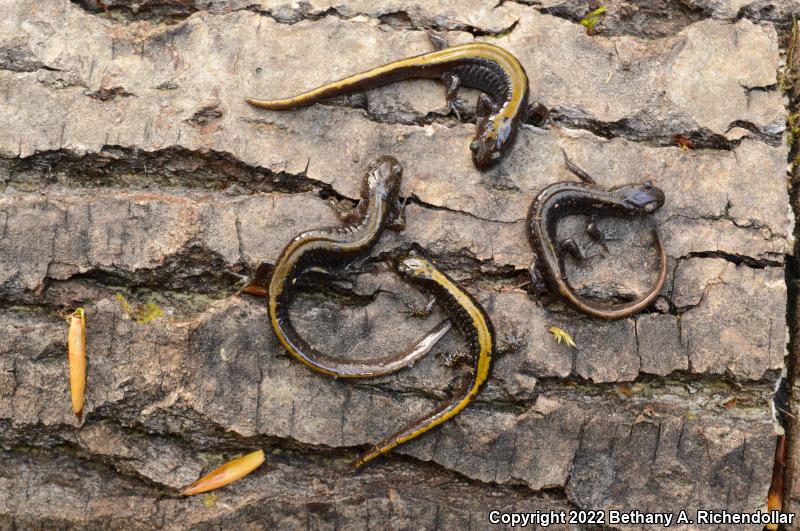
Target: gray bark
x: 132, y: 173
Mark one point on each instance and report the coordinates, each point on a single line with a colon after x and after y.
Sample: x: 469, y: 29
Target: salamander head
x: 413, y: 267
x: 492, y: 139
x: 640, y: 198
x: 384, y: 176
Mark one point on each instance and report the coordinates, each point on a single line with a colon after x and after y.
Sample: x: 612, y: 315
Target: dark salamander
x: 319, y: 250
x: 567, y: 198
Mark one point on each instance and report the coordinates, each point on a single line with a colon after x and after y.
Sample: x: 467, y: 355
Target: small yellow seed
x: 76, y: 350
x: 227, y: 473
x: 561, y: 335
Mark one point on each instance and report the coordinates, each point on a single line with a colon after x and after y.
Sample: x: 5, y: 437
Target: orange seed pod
x: 76, y: 349
x: 227, y: 473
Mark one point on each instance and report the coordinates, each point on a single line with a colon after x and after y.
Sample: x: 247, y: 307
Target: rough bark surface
x: 135, y: 182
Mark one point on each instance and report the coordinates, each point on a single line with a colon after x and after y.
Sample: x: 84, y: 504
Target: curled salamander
x: 486, y: 67
x: 566, y: 198
x: 317, y: 250
x: 471, y: 320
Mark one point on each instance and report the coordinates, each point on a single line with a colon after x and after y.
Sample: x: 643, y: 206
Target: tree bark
x: 136, y: 183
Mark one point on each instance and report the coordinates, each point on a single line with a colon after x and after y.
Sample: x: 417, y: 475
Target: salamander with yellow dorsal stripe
x: 479, y: 65
x: 470, y: 319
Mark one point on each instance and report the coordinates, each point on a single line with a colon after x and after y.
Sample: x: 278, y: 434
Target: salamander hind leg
x: 317, y: 277
x: 454, y: 104
x: 579, y: 252
x: 454, y: 359
x: 575, y: 250
x: 538, y: 285
x: 571, y: 247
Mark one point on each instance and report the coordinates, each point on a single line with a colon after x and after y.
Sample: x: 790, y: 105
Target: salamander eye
x: 648, y: 185
x: 474, y: 146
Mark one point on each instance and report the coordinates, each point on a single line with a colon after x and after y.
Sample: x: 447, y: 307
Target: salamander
x: 486, y: 67
x: 471, y: 321
x: 319, y: 250
x: 565, y: 198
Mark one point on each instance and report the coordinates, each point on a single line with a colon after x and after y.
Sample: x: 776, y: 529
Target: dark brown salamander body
x: 320, y: 249
x: 486, y: 67
x: 472, y: 322
x: 566, y: 198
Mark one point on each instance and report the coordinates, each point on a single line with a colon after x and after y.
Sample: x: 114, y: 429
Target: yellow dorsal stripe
x: 484, y: 356
x: 504, y: 59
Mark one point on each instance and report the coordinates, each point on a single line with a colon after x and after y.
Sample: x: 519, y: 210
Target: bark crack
x: 161, y: 12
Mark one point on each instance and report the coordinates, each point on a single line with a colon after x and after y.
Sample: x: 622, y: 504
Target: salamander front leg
x: 485, y: 107
x: 240, y: 280
x: 412, y: 310
x: 598, y: 236
x: 396, y: 220
x: 536, y: 115
x: 256, y: 284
